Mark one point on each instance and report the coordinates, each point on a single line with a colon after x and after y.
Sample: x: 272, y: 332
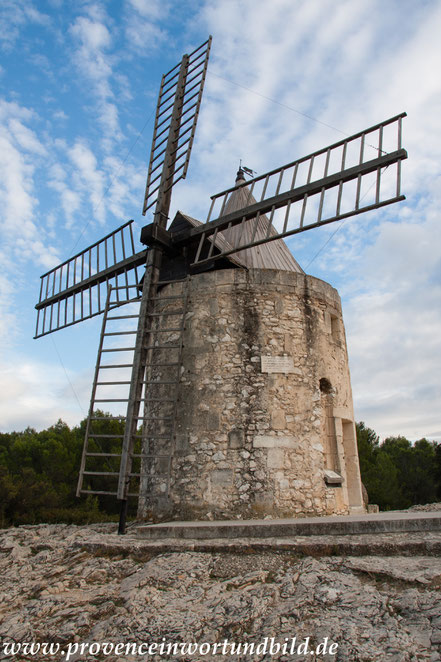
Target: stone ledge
x: 285, y: 528
x: 393, y: 544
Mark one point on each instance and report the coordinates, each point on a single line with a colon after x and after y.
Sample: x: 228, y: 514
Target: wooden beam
x: 281, y: 200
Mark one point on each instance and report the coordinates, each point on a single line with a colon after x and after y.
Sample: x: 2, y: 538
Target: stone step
x: 390, y: 522
x: 403, y: 544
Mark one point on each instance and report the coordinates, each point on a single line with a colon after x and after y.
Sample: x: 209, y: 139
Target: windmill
x: 357, y: 174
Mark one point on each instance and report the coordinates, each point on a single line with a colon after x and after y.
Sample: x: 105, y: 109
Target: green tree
x: 397, y: 473
x: 437, y: 447
x: 39, y: 473
x: 386, y: 488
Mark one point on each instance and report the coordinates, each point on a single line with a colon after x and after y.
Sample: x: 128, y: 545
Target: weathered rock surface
x: 69, y: 584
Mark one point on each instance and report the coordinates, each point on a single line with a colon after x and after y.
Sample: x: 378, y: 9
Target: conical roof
x: 272, y: 255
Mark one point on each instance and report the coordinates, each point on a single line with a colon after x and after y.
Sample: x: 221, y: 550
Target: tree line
x: 39, y: 471
x: 398, y: 474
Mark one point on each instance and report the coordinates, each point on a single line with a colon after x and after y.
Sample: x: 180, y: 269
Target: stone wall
x: 264, y: 423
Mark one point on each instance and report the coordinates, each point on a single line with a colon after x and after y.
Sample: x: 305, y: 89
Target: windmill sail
x: 177, y: 113
x: 333, y: 183
x: 77, y: 289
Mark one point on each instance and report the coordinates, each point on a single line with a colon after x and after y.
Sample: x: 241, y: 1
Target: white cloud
x: 142, y: 31
x: 153, y: 9
x: 42, y: 401
x: 95, y: 64
x: 70, y: 199
x: 94, y: 37
x: 14, y: 16
x: 88, y: 177
x: 21, y: 153
x: 25, y: 137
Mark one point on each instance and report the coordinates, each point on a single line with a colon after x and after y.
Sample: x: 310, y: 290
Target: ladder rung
x: 110, y: 383
x: 119, y: 349
x: 150, y: 455
x: 130, y: 494
x: 178, y: 312
x: 103, y: 454
x: 107, y: 418
x: 105, y: 436
x: 100, y: 473
x: 122, y: 317
x: 158, y: 418
x: 120, y: 333
x: 97, y: 492
x: 167, y: 282
x: 121, y: 302
x: 111, y: 400
x: 119, y: 455
x: 117, y: 365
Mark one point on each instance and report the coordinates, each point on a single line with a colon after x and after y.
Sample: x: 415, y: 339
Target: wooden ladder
x: 153, y: 444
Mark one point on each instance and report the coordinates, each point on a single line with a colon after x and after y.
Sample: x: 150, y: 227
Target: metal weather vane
x: 342, y: 180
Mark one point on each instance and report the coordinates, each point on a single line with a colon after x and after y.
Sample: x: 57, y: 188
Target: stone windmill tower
x: 265, y: 422
x: 230, y: 361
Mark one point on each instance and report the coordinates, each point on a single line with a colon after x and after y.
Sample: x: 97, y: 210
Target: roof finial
x: 240, y: 177
x: 241, y: 172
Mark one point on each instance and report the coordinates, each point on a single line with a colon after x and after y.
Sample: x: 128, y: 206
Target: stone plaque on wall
x: 283, y: 364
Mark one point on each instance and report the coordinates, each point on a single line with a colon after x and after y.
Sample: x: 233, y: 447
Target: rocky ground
x: 70, y: 585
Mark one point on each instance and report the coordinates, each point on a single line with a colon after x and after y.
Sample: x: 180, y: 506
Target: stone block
x: 343, y: 412
x: 214, y: 306
x: 221, y: 477
x: 210, y: 420
x: 224, y: 276
x: 275, y: 458
x: 278, y: 419
x: 332, y: 477
x: 279, y: 306
x: 181, y: 443
x: 288, y: 343
x: 271, y: 441
x: 236, y: 438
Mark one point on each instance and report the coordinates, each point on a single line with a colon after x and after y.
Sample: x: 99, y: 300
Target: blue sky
x: 78, y: 88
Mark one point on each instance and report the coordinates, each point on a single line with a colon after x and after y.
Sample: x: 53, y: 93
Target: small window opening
x: 325, y: 385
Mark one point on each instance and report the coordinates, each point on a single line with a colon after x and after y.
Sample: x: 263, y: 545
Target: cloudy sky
x: 78, y: 88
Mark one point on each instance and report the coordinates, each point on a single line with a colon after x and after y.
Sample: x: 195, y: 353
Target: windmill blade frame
x: 76, y: 289
x: 285, y: 196
x: 177, y: 112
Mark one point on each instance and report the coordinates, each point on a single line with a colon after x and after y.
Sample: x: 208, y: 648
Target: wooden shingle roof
x: 272, y: 255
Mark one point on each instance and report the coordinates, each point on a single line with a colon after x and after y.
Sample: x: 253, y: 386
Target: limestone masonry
x: 264, y: 421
